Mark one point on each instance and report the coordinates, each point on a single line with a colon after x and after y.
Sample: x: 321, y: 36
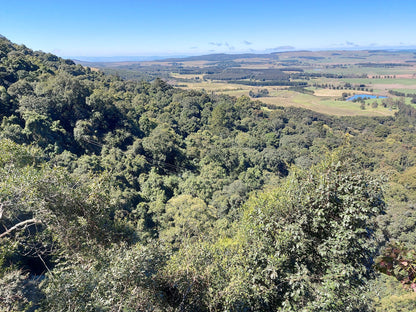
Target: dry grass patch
x: 185, y: 76
x: 333, y: 93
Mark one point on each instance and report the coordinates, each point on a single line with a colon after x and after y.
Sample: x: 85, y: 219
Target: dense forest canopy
x: 137, y: 196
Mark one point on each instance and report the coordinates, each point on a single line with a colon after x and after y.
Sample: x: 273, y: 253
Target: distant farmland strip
x: 383, y: 65
x: 270, y: 83
x: 243, y: 73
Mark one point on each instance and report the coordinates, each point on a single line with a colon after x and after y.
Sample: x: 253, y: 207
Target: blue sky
x: 161, y: 27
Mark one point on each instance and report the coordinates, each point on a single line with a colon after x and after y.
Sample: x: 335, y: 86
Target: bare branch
x: 22, y: 225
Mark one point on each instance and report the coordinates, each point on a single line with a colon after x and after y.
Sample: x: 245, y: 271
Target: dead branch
x: 22, y: 225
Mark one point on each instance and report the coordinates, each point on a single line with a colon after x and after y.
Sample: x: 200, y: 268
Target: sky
x: 181, y: 27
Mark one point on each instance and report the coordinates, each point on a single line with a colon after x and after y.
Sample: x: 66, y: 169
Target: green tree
x: 305, y: 245
x: 121, y: 278
x: 186, y: 217
x: 74, y: 209
x: 164, y: 145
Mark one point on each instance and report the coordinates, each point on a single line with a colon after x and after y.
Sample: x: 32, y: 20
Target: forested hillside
x: 134, y: 196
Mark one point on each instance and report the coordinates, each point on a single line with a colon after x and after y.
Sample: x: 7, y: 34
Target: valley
x: 312, y: 80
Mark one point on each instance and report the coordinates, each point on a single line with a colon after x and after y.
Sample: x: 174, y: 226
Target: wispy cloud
x: 285, y: 47
x: 229, y: 46
x: 247, y: 42
x: 351, y: 44
x: 223, y: 44
x: 280, y: 48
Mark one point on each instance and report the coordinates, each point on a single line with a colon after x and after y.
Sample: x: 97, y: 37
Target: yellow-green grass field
x: 358, y: 70
x: 325, y: 104
x: 406, y: 91
x: 379, y: 86
x: 327, y: 101
x: 388, y: 81
x: 324, y: 101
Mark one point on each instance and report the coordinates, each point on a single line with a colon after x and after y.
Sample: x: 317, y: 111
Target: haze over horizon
x: 85, y: 29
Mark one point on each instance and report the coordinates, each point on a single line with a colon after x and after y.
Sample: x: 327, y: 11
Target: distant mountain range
x: 212, y: 57
x: 99, y: 59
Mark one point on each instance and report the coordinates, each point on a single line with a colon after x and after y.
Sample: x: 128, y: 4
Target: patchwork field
x: 318, y: 80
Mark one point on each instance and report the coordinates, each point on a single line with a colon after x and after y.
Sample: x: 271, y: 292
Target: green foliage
x: 45, y: 209
x: 120, y: 279
x: 299, y: 246
x: 381, y: 131
x: 392, y: 297
x: 163, y: 144
x: 17, y: 291
x: 315, y: 236
x: 95, y: 170
x: 186, y: 217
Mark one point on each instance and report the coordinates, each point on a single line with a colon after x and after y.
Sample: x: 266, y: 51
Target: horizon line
x: 161, y: 56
